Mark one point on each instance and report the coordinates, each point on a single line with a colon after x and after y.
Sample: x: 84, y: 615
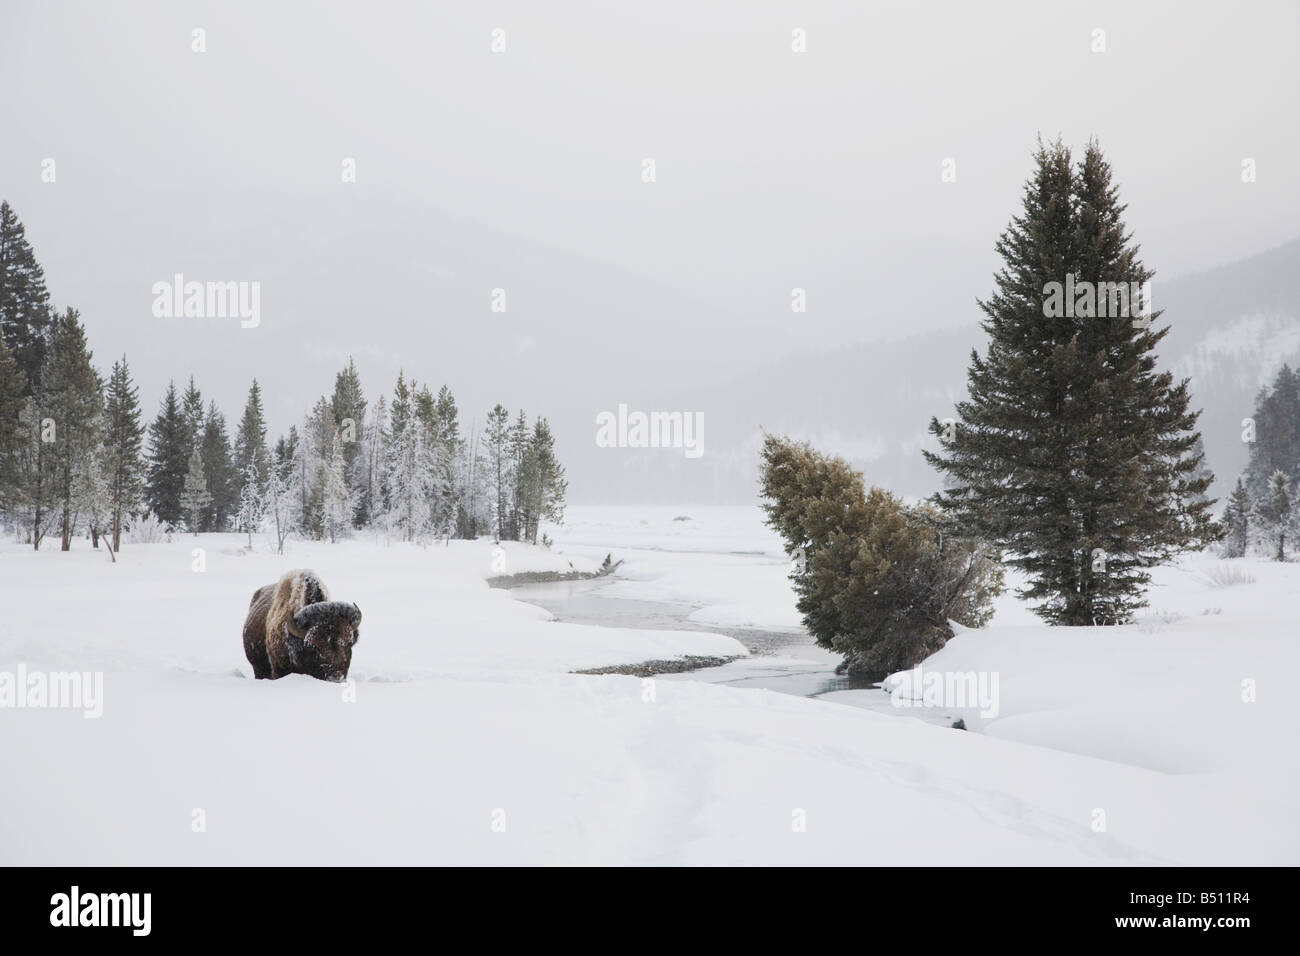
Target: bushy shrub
x: 875, y: 580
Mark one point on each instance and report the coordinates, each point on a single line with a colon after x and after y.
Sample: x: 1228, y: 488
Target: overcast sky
x: 523, y: 170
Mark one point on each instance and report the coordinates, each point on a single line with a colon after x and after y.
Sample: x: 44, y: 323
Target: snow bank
x: 462, y: 740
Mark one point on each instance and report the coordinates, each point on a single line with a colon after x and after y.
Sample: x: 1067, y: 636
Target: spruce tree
x: 522, y: 473
x: 497, y: 440
x: 219, y: 469
x: 1072, y: 454
x: 1236, y: 522
x: 25, y: 316
x: 123, y: 436
x: 313, y: 459
x: 250, y: 438
x: 195, y: 498
x: 72, y: 398
x: 1276, y: 513
x: 547, y: 484
x: 373, y: 465
x: 192, y: 410
x: 411, y: 475
x: 286, y: 452
x: 400, y: 415
x: 169, y: 457
x: 349, y: 406
x: 449, y: 448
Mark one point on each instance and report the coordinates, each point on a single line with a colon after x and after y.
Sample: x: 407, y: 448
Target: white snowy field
x: 465, y: 740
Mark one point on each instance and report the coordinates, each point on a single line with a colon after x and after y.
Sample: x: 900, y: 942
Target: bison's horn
x: 355, y: 615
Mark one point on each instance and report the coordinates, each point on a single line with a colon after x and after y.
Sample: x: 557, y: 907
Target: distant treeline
x: 76, y: 457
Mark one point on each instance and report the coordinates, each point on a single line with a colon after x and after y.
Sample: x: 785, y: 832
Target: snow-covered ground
x: 465, y: 740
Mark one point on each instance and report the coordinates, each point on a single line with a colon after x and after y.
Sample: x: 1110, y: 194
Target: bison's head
x: 320, y: 639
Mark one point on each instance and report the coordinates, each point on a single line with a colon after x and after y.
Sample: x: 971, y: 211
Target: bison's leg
x: 261, y: 663
x: 277, y: 651
x: 255, y: 633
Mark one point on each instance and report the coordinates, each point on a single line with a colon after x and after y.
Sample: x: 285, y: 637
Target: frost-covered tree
x: 252, y: 506
x: 348, y: 405
x: 399, y: 418
x: 1276, y: 514
x: 313, y: 456
x: 338, y: 499
x: 412, y: 483
x: 281, y: 500
x: 496, y: 440
x: 250, y: 443
x: 195, y: 497
x: 475, y: 508
x: 92, y: 500
x: 521, y: 472
x: 369, y: 470
x: 448, y: 449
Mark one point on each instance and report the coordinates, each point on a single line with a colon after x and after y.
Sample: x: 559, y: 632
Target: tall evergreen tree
x: 195, y: 498
x: 349, y: 406
x: 219, y: 469
x: 411, y: 479
x: 496, y: 438
x: 522, y: 473
x: 72, y: 397
x: 123, y: 436
x: 449, y: 449
x: 1236, y: 522
x: 169, y: 457
x: 547, y: 484
x: 286, y: 452
x: 372, y: 464
x: 1072, y: 454
x: 313, y: 460
x: 192, y: 409
x: 250, y: 438
x: 1276, y: 514
x: 25, y: 315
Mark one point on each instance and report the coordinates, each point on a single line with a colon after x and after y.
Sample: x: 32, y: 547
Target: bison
x: 294, y: 628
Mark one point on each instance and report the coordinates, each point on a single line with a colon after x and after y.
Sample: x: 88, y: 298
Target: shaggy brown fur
x: 293, y: 628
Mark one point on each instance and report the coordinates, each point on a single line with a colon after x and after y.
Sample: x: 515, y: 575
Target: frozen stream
x: 787, y: 662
